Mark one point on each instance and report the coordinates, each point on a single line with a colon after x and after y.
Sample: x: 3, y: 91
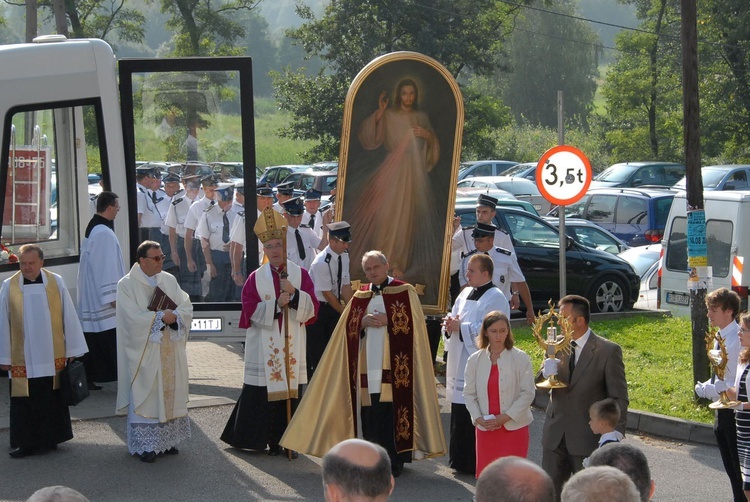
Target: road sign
x: 563, y: 175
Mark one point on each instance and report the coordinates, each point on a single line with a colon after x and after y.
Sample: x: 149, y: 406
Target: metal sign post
x: 563, y: 175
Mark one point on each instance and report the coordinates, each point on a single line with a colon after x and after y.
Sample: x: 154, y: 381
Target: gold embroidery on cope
x: 399, y: 318
x: 275, y: 364
x: 402, y: 426
x: 354, y: 317
x: 401, y: 372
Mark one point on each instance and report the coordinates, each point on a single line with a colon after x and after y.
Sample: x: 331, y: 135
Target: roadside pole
x: 700, y: 272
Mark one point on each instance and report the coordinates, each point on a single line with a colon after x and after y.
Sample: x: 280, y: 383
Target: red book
x: 160, y: 301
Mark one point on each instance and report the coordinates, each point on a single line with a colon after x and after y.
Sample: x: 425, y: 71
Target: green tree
x: 643, y: 90
x: 549, y: 52
x: 103, y: 19
x: 466, y: 36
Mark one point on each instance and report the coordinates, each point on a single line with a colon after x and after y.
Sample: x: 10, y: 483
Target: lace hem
x: 158, y: 438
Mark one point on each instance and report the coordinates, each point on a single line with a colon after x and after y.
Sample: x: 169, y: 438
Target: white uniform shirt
x: 310, y: 243
x: 463, y: 242
x: 163, y: 205
x: 318, y: 226
x: 195, y: 212
x: 506, y: 269
x: 211, y: 227
x: 150, y: 215
x: 178, y: 211
x: 324, y: 273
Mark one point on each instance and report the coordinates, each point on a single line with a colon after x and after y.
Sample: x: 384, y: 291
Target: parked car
x: 233, y: 171
x: 319, y: 180
x: 635, y: 215
x: 276, y: 174
x: 645, y: 261
x: 728, y: 177
x: 589, y: 234
x: 483, y: 168
x: 507, y: 201
x: 526, y: 170
x: 332, y: 165
x: 609, y: 282
x: 520, y: 188
x: 635, y: 174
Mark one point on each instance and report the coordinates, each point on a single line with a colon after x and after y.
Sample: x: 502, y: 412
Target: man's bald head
x: 514, y: 479
x: 356, y: 469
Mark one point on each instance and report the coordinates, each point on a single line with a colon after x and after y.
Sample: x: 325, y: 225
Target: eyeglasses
x: 156, y: 259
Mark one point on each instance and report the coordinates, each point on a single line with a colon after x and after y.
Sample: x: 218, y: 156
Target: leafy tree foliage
x: 549, y: 52
x: 466, y: 36
x: 98, y: 19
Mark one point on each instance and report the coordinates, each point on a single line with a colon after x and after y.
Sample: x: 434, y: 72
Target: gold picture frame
x: 398, y: 169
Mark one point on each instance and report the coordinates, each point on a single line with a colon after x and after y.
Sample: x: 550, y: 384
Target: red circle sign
x: 563, y: 175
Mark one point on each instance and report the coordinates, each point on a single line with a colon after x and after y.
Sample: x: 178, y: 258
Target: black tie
x: 572, y: 362
x: 312, y: 221
x: 225, y: 230
x: 153, y: 198
x: 338, y: 280
x: 300, y: 245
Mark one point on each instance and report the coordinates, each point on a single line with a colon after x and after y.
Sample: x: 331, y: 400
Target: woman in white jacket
x: 499, y: 389
x: 740, y: 393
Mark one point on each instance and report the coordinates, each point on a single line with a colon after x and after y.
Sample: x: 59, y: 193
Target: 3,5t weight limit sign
x: 563, y: 175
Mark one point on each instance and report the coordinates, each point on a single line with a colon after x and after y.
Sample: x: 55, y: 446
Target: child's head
x: 604, y: 416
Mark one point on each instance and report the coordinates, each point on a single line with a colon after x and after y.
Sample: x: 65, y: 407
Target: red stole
x: 399, y: 377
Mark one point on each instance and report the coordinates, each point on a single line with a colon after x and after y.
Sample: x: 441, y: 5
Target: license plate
x: 206, y: 324
x: 678, y: 298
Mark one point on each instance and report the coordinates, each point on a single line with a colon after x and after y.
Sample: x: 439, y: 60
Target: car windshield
x: 641, y: 260
x: 616, y: 173
x: 517, y: 188
x: 519, y: 169
x: 712, y: 177
x: 464, y: 166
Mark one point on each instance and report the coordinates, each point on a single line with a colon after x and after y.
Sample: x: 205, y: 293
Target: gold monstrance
x: 718, y: 359
x: 552, y: 344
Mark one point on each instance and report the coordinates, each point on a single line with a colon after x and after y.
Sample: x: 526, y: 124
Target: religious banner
x: 398, y: 167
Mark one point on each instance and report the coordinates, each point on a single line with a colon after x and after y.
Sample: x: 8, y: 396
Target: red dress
x: 492, y: 445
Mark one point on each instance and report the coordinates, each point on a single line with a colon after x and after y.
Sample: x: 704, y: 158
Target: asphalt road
x: 96, y: 461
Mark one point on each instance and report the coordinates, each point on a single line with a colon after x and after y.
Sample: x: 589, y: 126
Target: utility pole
x: 696, y: 229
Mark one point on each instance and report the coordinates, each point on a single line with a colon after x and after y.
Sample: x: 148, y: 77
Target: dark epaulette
x: 503, y: 250
x: 210, y: 206
x: 177, y: 200
x: 468, y: 254
x: 328, y: 258
x: 470, y: 227
x: 94, y: 197
x: 241, y: 214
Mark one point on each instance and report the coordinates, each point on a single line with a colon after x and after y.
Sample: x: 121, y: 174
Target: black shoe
x: 148, y: 457
x: 21, y: 452
x: 93, y: 386
x: 172, y: 451
x: 397, y: 469
x: 274, y: 451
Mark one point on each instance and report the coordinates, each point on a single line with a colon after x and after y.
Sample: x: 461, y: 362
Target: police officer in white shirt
x: 506, y: 271
x: 214, y: 228
x: 238, y: 242
x: 284, y: 192
x: 302, y: 244
x: 314, y: 217
x: 175, y: 223
x: 148, y: 197
x: 196, y: 263
x: 333, y: 289
x: 171, y: 190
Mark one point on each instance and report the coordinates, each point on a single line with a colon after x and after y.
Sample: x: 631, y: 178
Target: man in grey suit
x: 593, y: 371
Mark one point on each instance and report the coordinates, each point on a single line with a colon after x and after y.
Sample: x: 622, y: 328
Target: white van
x: 728, y: 236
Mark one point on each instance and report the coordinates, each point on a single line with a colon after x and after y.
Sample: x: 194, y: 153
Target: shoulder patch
x: 503, y: 251
x: 177, y: 200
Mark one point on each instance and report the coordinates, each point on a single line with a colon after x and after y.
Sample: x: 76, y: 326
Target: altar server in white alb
x: 461, y: 329
x: 39, y: 334
x: 152, y: 361
x: 100, y: 270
